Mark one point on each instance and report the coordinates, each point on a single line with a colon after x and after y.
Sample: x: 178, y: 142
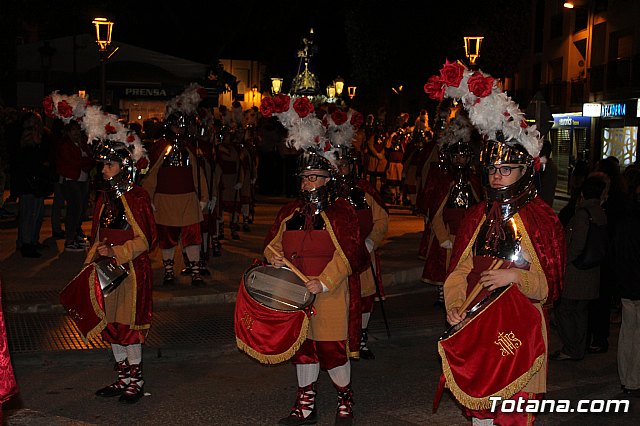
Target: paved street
x: 195, y: 375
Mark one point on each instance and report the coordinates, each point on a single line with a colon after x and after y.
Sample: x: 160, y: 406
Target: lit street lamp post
x: 104, y: 28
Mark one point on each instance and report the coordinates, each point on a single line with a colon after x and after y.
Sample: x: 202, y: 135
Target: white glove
x: 153, y: 207
x: 369, y: 243
x: 253, y: 181
x: 203, y: 204
x: 212, y: 204
x: 447, y: 245
x: 237, y: 186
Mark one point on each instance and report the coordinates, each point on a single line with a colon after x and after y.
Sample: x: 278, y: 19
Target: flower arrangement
x: 491, y: 111
x: 64, y: 107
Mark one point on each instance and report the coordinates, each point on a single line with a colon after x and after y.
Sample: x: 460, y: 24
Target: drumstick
x: 290, y: 265
x: 478, y: 288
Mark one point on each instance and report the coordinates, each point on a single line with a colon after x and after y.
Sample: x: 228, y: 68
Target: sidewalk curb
x: 390, y: 280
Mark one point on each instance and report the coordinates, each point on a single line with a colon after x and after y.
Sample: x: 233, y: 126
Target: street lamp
x: 254, y: 91
x: 104, y: 28
x: 351, y: 90
x: 472, y: 46
x: 339, y: 85
x: 331, y: 92
x: 276, y: 85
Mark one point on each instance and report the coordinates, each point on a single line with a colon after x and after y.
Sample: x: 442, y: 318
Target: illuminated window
x: 621, y: 142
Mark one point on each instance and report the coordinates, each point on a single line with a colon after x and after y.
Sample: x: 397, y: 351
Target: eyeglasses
x: 504, y: 170
x: 312, y: 178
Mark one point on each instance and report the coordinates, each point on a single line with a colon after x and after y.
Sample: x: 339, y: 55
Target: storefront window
x: 620, y: 142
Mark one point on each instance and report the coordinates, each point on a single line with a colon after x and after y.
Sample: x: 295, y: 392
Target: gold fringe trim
x: 95, y: 331
x: 507, y: 392
x: 334, y: 239
x: 528, y: 245
x: 277, y: 358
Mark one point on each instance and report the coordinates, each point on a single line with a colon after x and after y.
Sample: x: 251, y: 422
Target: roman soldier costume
x: 172, y: 183
x: 512, y: 229
x: 320, y: 235
x: 451, y: 189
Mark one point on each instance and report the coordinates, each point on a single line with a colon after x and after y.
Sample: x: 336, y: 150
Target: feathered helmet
x: 456, y: 136
x: 183, y: 107
x: 496, y: 116
x: 64, y: 107
x: 111, y: 139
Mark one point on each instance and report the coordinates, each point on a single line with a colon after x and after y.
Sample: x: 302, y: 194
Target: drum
x: 83, y: 301
x: 110, y: 274
x: 495, y: 351
x: 270, y: 321
x: 277, y: 288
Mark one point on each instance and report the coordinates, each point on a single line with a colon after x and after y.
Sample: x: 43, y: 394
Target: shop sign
x: 571, y: 121
x: 614, y: 110
x: 591, y: 109
x: 147, y: 93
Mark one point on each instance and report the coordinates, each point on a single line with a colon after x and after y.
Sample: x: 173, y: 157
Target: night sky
x: 374, y: 44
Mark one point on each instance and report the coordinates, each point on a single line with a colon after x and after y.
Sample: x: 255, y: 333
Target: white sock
x: 119, y: 352
x: 193, y: 253
x: 365, y: 319
x: 341, y: 376
x: 481, y: 422
x: 134, y: 353
x: 307, y: 373
x: 167, y: 254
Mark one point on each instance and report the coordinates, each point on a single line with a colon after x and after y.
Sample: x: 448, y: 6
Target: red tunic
x: 8, y: 385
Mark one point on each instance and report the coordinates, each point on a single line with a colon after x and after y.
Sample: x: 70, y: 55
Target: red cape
x: 8, y: 385
x: 546, y: 234
x: 140, y: 204
x: 367, y: 187
x: 344, y: 221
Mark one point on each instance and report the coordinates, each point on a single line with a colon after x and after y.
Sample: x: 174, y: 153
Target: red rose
x: 47, y: 103
x: 327, y: 146
x: 480, y: 85
x: 64, y: 109
x: 109, y: 129
x: 303, y: 106
x: 451, y: 73
x: 131, y: 138
x: 281, y: 103
x: 434, y: 88
x: 142, y: 163
x: 524, y: 124
x: 339, y: 117
x: 357, y: 119
x: 266, y: 107
x: 536, y: 164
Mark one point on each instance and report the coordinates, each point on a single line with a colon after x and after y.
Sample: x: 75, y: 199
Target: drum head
x: 475, y: 310
x: 277, y: 288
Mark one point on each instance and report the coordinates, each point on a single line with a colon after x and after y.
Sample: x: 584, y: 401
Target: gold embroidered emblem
x: 508, y: 343
x: 247, y: 320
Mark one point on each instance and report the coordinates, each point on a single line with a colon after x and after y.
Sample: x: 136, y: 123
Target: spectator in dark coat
x: 580, y: 285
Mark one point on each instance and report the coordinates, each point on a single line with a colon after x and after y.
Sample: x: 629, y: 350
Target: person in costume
x: 373, y: 218
x: 513, y: 238
x: 123, y: 229
x: 172, y: 184
x: 376, y: 160
x: 429, y: 156
x: 395, y: 149
x: 320, y: 235
x: 231, y: 173
x: 451, y: 189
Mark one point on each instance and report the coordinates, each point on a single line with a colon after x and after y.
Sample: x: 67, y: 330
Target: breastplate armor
x: 509, y: 248
x: 178, y: 156
x: 296, y: 223
x: 357, y: 199
x: 113, y: 215
x: 460, y: 196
